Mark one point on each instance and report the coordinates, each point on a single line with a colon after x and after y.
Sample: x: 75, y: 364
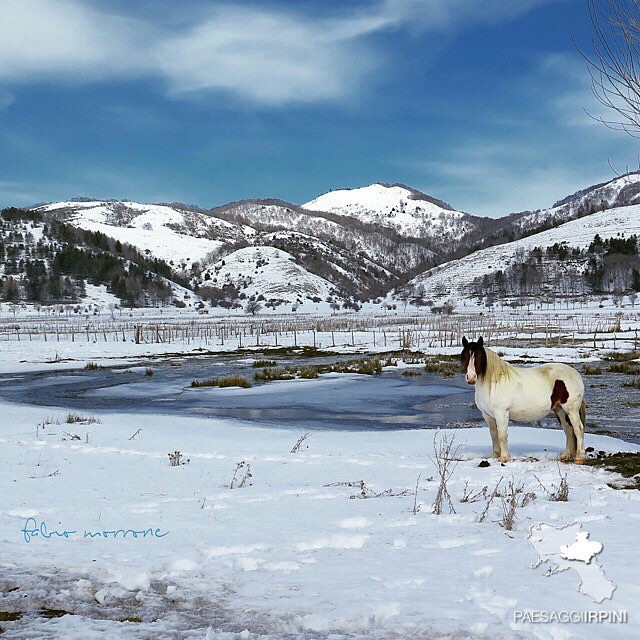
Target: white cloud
x: 573, y: 103
x: 50, y: 39
x: 271, y: 57
x: 456, y: 14
x: 496, y: 183
x: 266, y: 55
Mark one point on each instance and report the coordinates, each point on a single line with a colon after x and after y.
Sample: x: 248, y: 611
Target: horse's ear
x: 480, y: 341
x: 465, y: 342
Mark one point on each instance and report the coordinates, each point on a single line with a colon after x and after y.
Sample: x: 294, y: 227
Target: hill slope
x: 619, y: 192
x: 45, y: 261
x: 269, y: 274
x: 565, y: 247
x: 170, y: 234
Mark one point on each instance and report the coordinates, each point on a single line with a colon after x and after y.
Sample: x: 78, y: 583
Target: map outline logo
x: 569, y: 547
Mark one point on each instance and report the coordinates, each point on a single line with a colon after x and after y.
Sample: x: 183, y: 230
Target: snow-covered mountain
x: 407, y: 211
x: 350, y: 243
x: 353, y: 257
x: 471, y: 274
x: 619, y: 192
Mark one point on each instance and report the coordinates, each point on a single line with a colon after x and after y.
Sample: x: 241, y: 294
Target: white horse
x: 506, y: 392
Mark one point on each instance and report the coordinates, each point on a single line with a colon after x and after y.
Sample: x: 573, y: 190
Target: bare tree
x: 253, y: 307
x: 614, y: 62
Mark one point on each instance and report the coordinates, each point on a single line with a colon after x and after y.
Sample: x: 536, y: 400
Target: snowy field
x: 290, y: 553
x: 300, y: 549
x: 31, y: 339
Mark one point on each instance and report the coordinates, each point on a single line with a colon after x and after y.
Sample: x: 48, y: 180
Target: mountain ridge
x: 358, y: 244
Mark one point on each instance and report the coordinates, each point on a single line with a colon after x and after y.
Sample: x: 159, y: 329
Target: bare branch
x: 445, y: 462
x: 614, y: 62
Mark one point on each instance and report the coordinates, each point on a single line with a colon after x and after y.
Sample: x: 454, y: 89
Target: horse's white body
x: 525, y: 395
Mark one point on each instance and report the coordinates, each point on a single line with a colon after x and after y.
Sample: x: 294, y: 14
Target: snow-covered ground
x: 291, y: 553
x: 25, y: 355
x: 33, y: 340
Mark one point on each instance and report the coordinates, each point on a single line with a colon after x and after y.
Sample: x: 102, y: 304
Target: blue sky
x: 478, y: 102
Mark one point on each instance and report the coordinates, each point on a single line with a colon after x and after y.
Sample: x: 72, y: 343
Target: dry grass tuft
x: 74, y: 418
x: 230, y: 381
x: 176, y: 459
x: 241, y: 476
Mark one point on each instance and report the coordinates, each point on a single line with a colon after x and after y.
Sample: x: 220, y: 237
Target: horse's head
x: 473, y: 359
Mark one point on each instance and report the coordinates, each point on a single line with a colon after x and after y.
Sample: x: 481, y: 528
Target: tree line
x: 55, y: 268
x: 610, y: 265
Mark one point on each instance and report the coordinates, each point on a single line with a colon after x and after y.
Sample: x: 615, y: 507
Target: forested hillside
x: 45, y: 261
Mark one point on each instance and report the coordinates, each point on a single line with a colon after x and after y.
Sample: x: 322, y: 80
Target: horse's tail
x: 583, y: 414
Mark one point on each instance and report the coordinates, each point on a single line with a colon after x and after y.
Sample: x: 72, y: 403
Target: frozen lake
x: 332, y: 401
x: 342, y: 402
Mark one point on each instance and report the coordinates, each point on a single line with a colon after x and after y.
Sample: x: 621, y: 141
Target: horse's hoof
x: 505, y: 458
x: 579, y: 461
x: 566, y: 457
x: 495, y: 455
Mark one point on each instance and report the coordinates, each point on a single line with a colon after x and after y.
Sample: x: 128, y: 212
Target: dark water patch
x: 389, y: 401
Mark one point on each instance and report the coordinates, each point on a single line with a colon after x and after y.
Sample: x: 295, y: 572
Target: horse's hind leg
x: 570, y: 449
x: 578, y: 430
x: 493, y: 430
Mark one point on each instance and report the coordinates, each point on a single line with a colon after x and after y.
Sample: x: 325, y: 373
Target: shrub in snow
x: 445, y: 462
x: 241, y: 476
x: 298, y: 445
x: 176, y: 459
x: 230, y: 381
x: 513, y: 498
x: 74, y: 418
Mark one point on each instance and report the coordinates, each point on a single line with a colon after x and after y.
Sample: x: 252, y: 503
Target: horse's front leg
x: 502, y: 422
x: 493, y: 430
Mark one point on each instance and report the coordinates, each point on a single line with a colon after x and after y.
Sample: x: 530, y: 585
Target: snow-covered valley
x: 335, y: 539
x: 158, y: 485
